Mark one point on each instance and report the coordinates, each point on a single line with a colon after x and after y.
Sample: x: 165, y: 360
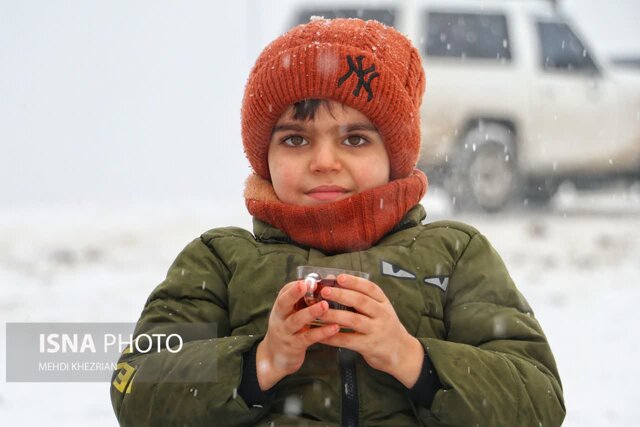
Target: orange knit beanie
x: 363, y: 64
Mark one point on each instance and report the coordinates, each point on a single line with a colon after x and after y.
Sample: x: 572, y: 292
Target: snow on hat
x: 363, y: 64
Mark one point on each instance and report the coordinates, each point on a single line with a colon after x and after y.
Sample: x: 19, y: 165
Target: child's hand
x: 378, y: 335
x: 283, y: 348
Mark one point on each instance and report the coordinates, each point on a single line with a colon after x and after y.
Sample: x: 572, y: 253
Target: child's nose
x: 325, y: 158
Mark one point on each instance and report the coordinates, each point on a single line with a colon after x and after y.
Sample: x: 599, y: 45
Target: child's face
x: 335, y: 155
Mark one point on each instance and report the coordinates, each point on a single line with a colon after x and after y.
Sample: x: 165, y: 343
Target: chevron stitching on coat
x: 389, y: 269
x: 441, y: 282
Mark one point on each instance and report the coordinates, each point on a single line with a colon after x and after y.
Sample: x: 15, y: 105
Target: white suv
x: 514, y: 100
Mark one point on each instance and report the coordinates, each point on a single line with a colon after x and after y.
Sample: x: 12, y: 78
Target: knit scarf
x: 347, y: 225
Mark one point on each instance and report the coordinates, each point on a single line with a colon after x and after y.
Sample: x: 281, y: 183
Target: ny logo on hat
x: 360, y: 74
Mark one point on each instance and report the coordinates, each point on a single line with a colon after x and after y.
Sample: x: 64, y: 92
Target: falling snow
x: 581, y: 265
x: 293, y: 405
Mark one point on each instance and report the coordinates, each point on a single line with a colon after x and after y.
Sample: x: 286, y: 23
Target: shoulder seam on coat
x: 224, y: 232
x: 213, y: 252
x: 464, y: 251
x: 453, y: 225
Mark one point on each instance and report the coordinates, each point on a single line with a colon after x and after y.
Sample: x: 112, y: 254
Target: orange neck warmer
x: 351, y: 224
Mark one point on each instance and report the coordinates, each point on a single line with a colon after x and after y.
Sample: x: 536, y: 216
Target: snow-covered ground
x: 578, y: 264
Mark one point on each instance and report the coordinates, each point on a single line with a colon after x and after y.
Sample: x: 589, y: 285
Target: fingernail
x: 326, y: 291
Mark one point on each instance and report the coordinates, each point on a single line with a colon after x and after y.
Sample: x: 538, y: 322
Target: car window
x: 467, y: 35
x: 561, y: 49
x: 386, y: 16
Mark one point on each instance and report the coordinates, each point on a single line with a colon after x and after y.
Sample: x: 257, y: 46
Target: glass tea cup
x: 317, y: 278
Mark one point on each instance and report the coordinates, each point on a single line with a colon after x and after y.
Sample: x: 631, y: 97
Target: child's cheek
x: 371, y: 177
x: 285, y: 178
x: 286, y: 171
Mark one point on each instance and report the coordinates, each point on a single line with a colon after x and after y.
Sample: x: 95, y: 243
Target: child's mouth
x: 327, y: 193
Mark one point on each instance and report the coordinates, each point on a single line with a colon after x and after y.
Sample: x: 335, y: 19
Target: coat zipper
x: 347, y: 359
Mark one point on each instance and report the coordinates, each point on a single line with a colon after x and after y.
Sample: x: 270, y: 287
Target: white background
x: 128, y: 100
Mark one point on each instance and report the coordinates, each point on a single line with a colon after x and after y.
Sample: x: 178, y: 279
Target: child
x: 440, y: 334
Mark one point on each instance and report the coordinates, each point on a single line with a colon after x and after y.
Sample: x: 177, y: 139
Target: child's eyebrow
x: 350, y: 127
x: 288, y: 127
x: 358, y: 126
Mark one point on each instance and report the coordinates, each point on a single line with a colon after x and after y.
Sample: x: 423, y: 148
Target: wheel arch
x: 490, y: 125
x: 482, y: 133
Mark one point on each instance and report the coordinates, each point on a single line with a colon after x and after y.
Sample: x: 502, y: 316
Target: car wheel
x: 484, y: 173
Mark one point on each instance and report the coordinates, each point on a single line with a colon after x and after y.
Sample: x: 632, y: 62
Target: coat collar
x: 347, y: 225
x: 266, y: 233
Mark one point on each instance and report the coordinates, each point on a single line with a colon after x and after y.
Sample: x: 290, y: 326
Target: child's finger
x: 302, y: 318
x: 287, y: 287
x: 287, y: 298
x: 361, y: 302
x: 362, y: 285
x: 349, y: 319
x: 349, y: 340
x: 314, y: 335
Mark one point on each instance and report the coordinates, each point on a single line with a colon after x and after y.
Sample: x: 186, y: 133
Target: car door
x: 573, y: 126
x: 470, y: 75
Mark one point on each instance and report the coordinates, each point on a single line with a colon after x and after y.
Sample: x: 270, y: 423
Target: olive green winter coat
x: 447, y: 284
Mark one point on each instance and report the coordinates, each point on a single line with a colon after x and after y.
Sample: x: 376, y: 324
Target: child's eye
x: 295, y: 141
x: 355, y: 141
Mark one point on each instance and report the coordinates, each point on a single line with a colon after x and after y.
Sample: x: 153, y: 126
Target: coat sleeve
x: 495, y: 367
x: 196, y: 385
